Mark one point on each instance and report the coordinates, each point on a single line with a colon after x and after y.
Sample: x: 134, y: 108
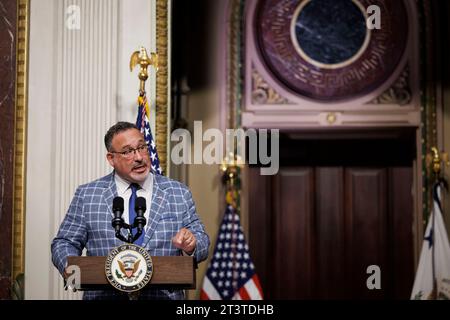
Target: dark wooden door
x: 314, y: 230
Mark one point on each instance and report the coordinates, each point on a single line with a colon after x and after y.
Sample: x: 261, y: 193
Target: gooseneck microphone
x: 117, y: 211
x: 140, y: 221
x: 117, y: 222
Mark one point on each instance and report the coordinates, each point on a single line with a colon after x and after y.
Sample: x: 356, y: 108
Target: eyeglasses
x: 129, y: 153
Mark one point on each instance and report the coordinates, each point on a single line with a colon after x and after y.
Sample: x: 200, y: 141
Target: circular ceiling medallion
x: 331, y: 36
x: 323, y: 49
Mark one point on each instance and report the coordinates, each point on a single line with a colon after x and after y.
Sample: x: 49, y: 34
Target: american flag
x: 143, y: 124
x: 433, y: 272
x: 231, y: 273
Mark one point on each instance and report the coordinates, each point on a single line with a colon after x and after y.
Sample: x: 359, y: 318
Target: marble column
x: 8, y: 18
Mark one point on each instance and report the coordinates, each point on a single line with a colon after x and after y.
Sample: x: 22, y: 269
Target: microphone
x: 140, y: 221
x: 117, y: 208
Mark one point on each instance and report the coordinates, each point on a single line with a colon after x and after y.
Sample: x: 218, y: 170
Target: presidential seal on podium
x: 128, y: 268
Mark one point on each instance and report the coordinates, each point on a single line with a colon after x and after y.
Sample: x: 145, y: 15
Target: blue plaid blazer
x: 87, y: 224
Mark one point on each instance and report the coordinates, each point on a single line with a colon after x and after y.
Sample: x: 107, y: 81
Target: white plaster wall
x: 79, y: 85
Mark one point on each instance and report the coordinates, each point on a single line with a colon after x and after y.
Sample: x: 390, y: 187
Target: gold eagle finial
x: 435, y: 160
x: 141, y: 57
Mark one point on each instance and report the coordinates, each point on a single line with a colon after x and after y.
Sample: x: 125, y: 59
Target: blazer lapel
x: 109, y: 193
x: 156, y: 210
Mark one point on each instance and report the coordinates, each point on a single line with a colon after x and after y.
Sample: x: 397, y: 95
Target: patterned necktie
x: 132, y: 213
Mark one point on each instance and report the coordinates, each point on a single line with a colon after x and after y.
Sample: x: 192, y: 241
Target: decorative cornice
x: 399, y: 93
x: 162, y: 80
x: 263, y: 93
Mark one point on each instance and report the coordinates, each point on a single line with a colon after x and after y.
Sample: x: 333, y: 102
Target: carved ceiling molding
x: 263, y: 93
x: 399, y: 93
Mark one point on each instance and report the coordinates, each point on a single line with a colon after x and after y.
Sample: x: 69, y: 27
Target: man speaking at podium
x: 173, y: 226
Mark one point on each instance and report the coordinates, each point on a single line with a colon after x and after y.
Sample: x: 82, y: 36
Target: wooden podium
x: 174, y: 272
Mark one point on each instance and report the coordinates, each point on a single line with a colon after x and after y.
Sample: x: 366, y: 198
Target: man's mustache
x: 139, y: 163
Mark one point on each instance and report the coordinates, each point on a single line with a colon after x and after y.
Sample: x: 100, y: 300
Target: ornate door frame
x: 238, y: 105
